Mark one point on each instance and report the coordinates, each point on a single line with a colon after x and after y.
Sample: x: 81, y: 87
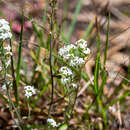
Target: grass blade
x: 45, y: 14
x: 107, y: 40
x: 19, y: 52
x: 97, y: 67
x: 87, y: 31
x: 79, y: 5
x: 15, y: 89
x: 104, y: 74
x: 117, y: 100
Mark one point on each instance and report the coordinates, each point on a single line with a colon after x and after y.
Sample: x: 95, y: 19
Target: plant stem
x: 13, y: 74
x: 29, y: 110
x: 50, y: 57
x: 19, y: 59
x: 107, y: 40
x: 17, y: 113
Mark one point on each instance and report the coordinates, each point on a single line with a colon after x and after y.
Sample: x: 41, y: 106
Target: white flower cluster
x: 65, y: 71
x: 81, y: 43
x: 65, y: 51
x: 77, y: 61
x: 51, y: 122
x: 8, y: 50
x: 29, y: 91
x: 4, y: 87
x: 66, y: 74
x: 75, y: 55
x: 6, y: 55
x: 5, y: 32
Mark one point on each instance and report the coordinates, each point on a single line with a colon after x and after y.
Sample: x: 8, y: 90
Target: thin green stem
x: 29, y: 110
x: 79, y: 5
x: 50, y: 55
x: 13, y: 74
x: 19, y: 58
x: 107, y: 40
x: 17, y: 113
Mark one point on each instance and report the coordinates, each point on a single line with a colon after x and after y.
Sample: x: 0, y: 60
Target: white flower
x: 65, y: 51
x: 9, y: 83
x: 65, y: 80
x: 68, y: 56
x: 61, y: 51
x: 112, y: 109
x: 3, y: 21
x: 65, y: 71
x: 77, y: 61
x: 38, y: 68
x: 51, y: 122
x: 87, y: 51
x: 74, y: 85
x: 4, y: 27
x: 5, y: 32
x: 70, y: 46
x: 8, y: 53
x: 8, y: 48
x: 4, y: 87
x: 29, y: 91
x: 74, y: 54
x: 1, y: 68
x: 8, y: 63
x: 4, y: 36
x: 72, y: 63
x: 82, y: 43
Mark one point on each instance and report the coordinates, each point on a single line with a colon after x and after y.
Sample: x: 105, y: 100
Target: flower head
x: 29, y: 91
x: 8, y: 50
x: 74, y: 85
x: 51, y: 122
x: 65, y: 51
x: 65, y: 80
x: 75, y: 55
x: 76, y: 61
x: 4, y: 87
x: 66, y: 74
x: 82, y: 43
x: 3, y: 21
x: 5, y: 32
x: 87, y: 51
x: 8, y: 63
x: 65, y: 71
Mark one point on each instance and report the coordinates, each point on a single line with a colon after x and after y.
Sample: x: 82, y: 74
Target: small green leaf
x: 63, y: 127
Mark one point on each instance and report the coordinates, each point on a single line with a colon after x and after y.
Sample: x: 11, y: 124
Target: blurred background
x: 76, y: 19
